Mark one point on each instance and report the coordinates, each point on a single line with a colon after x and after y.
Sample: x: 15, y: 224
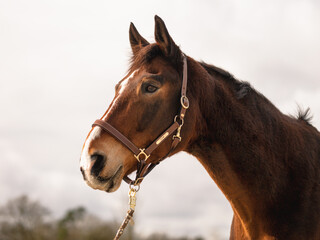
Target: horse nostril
x: 99, y: 162
x: 83, y: 174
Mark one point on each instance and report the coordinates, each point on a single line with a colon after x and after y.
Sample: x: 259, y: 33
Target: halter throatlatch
x: 142, y: 154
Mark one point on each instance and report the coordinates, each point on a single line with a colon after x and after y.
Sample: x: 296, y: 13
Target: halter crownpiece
x: 142, y: 154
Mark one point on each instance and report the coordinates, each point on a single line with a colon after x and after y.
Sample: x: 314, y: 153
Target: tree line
x: 24, y: 219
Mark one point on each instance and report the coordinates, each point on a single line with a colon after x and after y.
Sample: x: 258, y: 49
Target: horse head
x: 146, y: 102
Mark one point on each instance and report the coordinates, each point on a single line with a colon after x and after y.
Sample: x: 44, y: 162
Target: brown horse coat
x: 267, y: 164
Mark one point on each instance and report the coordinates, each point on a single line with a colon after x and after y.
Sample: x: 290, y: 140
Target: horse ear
x: 136, y: 40
x: 163, y: 39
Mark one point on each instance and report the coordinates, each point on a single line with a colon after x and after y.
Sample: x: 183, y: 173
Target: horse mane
x: 304, y: 115
x: 241, y: 88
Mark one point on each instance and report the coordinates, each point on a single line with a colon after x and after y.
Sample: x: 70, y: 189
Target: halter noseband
x: 142, y: 154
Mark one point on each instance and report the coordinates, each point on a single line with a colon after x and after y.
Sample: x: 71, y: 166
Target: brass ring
x: 182, y: 101
x: 175, y: 120
x: 134, y: 187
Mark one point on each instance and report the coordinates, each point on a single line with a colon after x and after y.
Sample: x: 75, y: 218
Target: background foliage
x: 22, y: 218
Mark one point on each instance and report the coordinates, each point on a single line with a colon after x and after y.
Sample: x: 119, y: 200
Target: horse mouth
x: 112, y: 183
x: 108, y: 184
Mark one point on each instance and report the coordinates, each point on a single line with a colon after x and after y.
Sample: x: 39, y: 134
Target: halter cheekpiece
x: 142, y: 154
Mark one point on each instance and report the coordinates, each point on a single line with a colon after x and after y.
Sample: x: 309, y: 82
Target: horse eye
x: 151, y: 89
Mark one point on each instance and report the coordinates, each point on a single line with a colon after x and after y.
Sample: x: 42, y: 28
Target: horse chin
x: 114, y: 185
x: 107, y: 184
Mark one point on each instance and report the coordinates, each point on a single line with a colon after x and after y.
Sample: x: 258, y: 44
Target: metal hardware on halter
x: 184, y: 102
x: 135, y: 185
x: 132, y: 198
x: 162, y: 138
x: 178, y: 135
x: 146, y: 156
x: 176, y: 120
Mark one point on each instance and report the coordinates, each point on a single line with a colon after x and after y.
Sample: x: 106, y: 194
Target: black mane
x: 304, y: 115
x: 241, y: 88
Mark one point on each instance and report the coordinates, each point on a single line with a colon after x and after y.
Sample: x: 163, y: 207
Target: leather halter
x: 142, y: 154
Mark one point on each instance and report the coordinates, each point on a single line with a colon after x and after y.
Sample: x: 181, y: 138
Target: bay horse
x: 267, y: 164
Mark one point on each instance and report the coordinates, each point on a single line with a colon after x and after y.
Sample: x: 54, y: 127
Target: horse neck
x: 230, y: 141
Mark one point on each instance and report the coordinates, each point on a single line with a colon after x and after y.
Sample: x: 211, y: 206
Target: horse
x: 267, y: 164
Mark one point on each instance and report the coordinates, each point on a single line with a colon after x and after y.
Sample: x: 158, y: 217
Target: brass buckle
x: 146, y: 156
x: 184, y: 99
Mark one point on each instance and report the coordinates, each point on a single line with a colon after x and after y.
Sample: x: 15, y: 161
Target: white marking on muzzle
x: 96, y: 131
x: 85, y: 157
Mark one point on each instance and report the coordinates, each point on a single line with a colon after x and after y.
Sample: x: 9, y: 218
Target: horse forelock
x: 143, y: 57
x: 151, y: 51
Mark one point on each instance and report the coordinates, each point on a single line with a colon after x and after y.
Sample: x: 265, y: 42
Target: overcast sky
x: 60, y: 60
